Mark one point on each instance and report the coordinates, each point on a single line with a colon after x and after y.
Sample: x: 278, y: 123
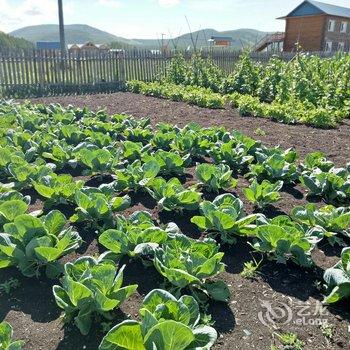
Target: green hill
x: 8, y: 42
x: 75, y: 34
x: 81, y: 33
x: 241, y: 37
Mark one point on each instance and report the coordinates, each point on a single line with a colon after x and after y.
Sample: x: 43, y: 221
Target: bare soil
x: 31, y: 308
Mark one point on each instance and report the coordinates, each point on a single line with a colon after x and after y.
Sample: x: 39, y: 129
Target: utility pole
x: 61, y: 22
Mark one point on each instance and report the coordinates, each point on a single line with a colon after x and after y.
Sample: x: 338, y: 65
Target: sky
x: 150, y: 18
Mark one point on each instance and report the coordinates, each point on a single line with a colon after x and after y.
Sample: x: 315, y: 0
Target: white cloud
x: 110, y: 3
x: 29, y: 12
x: 168, y: 3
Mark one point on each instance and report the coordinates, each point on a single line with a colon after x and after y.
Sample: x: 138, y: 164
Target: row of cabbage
x: 41, y: 145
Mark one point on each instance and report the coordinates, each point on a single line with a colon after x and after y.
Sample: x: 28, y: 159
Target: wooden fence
x: 38, y: 73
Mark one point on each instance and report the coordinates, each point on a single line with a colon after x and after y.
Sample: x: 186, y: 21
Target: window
x: 329, y: 46
x: 331, y: 25
x: 341, y: 47
x: 344, y: 27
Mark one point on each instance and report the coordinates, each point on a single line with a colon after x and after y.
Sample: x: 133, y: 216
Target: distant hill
x: 241, y: 37
x: 75, y: 34
x: 81, y: 33
x: 8, y: 42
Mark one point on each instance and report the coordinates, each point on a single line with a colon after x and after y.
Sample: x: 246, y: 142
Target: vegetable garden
x: 308, y: 90
x: 123, y: 232
x: 126, y: 230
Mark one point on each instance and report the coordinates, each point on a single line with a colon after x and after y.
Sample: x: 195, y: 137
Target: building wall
x: 307, y: 30
x: 336, y: 36
x: 312, y: 33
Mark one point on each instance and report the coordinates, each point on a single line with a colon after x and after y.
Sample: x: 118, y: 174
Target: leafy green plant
x: 263, y: 194
x: 31, y: 243
x: 275, y: 164
x: 57, y: 188
x: 337, y: 279
x: 166, y: 323
x: 291, y: 341
x: 10, y: 209
x: 316, y: 160
x: 282, y: 239
x: 97, y: 161
x: 333, y: 186
x: 250, y: 269
x: 187, y: 263
x: 169, y: 162
x: 9, y: 285
x: 172, y: 195
x: 6, y: 334
x: 225, y: 217
x: 215, y: 177
x: 97, y: 206
x: 330, y: 220
x: 136, y: 236
x: 136, y: 175
x: 91, y: 287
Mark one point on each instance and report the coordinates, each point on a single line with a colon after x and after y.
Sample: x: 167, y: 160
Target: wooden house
x: 317, y: 26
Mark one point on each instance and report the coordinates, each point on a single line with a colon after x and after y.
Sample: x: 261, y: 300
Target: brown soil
x: 35, y: 317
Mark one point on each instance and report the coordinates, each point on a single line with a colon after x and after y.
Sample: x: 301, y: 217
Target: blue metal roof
x: 333, y: 10
x: 48, y: 45
x: 311, y: 7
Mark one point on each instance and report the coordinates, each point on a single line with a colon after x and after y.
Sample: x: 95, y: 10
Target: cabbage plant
x: 274, y: 164
x: 215, y: 177
x: 225, y: 217
x: 91, y: 287
x: 136, y: 175
x: 166, y: 323
x: 6, y: 335
x: 32, y: 243
x: 331, y: 220
x: 282, y: 239
x: 137, y: 236
x: 172, y: 195
x: 264, y: 193
x: 170, y: 163
x: 97, y: 205
x: 58, y: 189
x: 188, y: 263
x: 337, y: 279
x: 333, y: 185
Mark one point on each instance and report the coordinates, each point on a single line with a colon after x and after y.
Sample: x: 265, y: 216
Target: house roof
x: 223, y: 38
x: 48, y: 45
x: 312, y: 7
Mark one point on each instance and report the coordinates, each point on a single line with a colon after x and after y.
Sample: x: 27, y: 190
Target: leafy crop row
x: 87, y: 168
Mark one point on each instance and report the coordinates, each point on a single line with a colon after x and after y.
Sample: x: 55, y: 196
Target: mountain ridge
x: 81, y: 33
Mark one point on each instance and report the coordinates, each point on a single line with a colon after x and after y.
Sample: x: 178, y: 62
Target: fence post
x: 121, y: 69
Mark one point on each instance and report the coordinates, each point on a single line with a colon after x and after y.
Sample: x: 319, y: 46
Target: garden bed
x: 335, y: 143
x: 35, y: 317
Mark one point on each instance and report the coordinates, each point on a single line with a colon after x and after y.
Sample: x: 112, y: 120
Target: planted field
x: 306, y: 90
x: 133, y: 233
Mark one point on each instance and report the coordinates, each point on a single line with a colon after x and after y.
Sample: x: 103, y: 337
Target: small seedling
x: 290, y: 341
x: 327, y: 330
x: 259, y: 132
x: 250, y: 269
x: 9, y: 285
x: 207, y: 320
